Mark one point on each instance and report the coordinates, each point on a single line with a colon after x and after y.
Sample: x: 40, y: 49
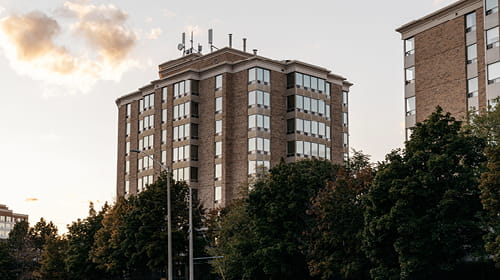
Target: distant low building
x: 8, y: 219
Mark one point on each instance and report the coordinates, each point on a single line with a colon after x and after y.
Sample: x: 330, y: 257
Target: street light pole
x: 169, y: 217
x: 191, y: 267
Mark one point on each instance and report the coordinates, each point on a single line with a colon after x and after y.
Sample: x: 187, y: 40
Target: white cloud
x: 2, y: 9
x: 154, y: 33
x: 30, y: 43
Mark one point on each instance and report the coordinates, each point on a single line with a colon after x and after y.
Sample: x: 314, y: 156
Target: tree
x: 335, y: 239
x: 422, y: 213
x: 80, y: 240
x: 39, y: 236
x: 20, y: 246
x: 7, y: 262
x: 486, y: 124
x: 263, y: 236
x: 133, y: 239
x: 490, y: 198
x: 52, y: 263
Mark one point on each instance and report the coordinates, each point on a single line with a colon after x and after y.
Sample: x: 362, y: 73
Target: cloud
x: 31, y: 44
x: 148, y: 20
x: 103, y: 28
x: 2, y: 9
x: 154, y: 33
x: 31, y: 199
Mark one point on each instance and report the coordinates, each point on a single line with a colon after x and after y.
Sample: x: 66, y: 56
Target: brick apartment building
x: 452, y: 59
x: 215, y: 119
x: 8, y: 219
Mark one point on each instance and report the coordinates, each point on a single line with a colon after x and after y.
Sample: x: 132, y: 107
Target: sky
x: 64, y: 63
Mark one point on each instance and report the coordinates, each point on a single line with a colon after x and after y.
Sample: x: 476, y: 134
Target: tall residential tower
x: 214, y: 119
x: 452, y: 59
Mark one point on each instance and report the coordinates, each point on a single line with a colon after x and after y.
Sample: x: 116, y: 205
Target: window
x: 491, y: 7
x: 307, y: 104
x: 472, y: 87
x: 218, y: 105
x: 345, y: 119
x: 163, y: 136
x: 146, y: 123
x: 327, y: 111
x: 299, y: 101
x: 218, y: 194
x: 290, y: 148
x: 186, y: 110
x: 470, y: 22
x: 145, y: 163
x: 314, y: 83
x: 258, y: 166
x: 182, y: 174
x: 314, y: 105
x: 259, y: 75
x: 218, y: 82
x: 164, y: 94
x: 327, y: 89
x: 259, y: 98
x: 410, y: 106
x: 146, y: 142
x: 183, y: 153
x: 218, y: 127
x: 259, y: 145
x: 409, y: 132
x: 182, y: 132
x: 128, y: 110
x: 218, y: 149
x: 218, y: 171
x: 164, y: 157
x: 259, y: 122
x: 410, y: 75
x: 164, y: 115
x: 127, y: 167
x: 182, y: 88
x: 299, y: 80
x: 492, y: 38
x: 127, y: 187
x: 409, y: 46
x: 290, y: 126
x: 127, y: 129
x: 147, y: 102
x: 307, y: 81
x: 494, y: 73
x: 345, y: 99
x: 471, y: 53
x: 345, y: 139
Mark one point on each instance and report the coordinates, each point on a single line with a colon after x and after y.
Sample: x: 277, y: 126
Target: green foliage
x: 486, y: 125
x: 490, y: 198
x: 80, y: 240
x: 7, y: 262
x: 21, y: 249
x: 133, y: 238
x: 335, y: 239
x: 53, y: 256
x: 422, y: 214
x: 263, y: 237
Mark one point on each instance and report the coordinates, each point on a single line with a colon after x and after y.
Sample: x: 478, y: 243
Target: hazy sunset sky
x: 63, y: 64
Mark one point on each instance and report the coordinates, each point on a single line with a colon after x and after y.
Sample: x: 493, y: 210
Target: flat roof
x: 437, y: 14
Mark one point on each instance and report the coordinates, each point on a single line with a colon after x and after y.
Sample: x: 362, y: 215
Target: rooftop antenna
x: 191, y: 49
x: 211, y: 40
x: 182, y: 46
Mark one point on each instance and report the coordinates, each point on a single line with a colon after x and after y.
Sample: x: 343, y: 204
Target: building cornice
x: 438, y: 16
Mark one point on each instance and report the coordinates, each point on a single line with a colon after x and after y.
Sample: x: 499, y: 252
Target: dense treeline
x: 429, y: 211
x: 123, y: 241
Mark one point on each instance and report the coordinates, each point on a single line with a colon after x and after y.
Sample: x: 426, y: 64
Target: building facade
x: 452, y: 59
x: 214, y: 120
x: 8, y: 219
